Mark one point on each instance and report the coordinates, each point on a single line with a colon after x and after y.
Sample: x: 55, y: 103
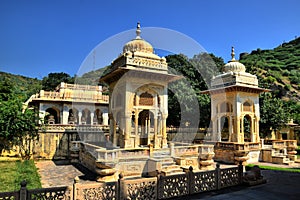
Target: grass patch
x: 249, y: 166
x: 13, y: 172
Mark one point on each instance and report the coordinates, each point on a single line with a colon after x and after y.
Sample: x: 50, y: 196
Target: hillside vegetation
x: 277, y: 69
x: 22, y: 85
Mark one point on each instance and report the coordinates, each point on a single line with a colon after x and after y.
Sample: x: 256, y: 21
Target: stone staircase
x: 168, y: 165
x: 280, y: 158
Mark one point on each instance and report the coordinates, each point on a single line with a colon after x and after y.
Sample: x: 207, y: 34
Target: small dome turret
x: 138, y: 44
x: 234, y: 65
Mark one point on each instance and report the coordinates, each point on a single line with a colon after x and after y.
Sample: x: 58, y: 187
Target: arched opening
x: 247, y: 107
x: 86, y: 117
x: 224, y: 128
x: 52, y: 116
x: 225, y: 107
x: 247, y: 128
x: 146, y: 99
x: 73, y: 116
x: 146, y: 124
x: 98, y: 119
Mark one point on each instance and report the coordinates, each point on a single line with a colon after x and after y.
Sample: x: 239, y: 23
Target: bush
x: 287, y: 87
x: 270, y: 79
x: 285, y: 72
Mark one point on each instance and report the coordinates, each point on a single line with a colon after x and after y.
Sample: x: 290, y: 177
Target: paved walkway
x: 280, y: 185
x: 61, y: 174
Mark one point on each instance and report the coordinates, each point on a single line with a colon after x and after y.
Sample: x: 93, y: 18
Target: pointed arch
x: 248, y: 106
x: 247, y: 127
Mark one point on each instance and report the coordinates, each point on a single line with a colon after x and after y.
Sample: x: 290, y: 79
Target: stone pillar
x: 92, y: 118
x: 219, y: 138
x: 105, y: 119
x: 164, y: 131
x: 252, y: 131
x: 257, y: 129
x: 65, y: 115
x: 156, y: 145
x: 42, y: 114
x: 79, y: 117
x: 241, y: 135
x: 136, y: 128
x: 238, y: 129
x: 127, y: 130
x: 230, y: 129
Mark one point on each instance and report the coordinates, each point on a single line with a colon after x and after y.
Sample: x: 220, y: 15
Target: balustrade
x: 160, y: 187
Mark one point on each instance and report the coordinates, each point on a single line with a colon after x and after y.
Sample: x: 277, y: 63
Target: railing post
x: 160, y: 189
x: 218, y: 176
x: 76, y: 181
x: 241, y: 171
x: 191, y: 180
x: 120, y: 192
x: 23, y: 190
x: 172, y: 153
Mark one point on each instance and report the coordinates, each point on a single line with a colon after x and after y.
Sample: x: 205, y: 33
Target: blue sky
x: 38, y: 37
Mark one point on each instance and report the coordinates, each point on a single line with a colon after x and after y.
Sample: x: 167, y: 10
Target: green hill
x: 22, y: 85
x: 277, y: 69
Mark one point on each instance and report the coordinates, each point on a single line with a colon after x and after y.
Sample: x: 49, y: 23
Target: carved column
x: 136, y: 129
x: 92, y: 118
x: 238, y: 129
x: 219, y: 130
x: 127, y: 129
x: 79, y: 117
x: 156, y: 145
x: 164, y: 131
x: 230, y: 129
x: 112, y: 129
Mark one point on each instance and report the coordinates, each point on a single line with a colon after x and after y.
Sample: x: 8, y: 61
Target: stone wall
x: 53, y: 145
x: 224, y: 155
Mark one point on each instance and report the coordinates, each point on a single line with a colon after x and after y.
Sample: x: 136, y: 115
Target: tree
x: 184, y: 95
x: 51, y: 81
x: 274, y: 114
x: 17, y: 124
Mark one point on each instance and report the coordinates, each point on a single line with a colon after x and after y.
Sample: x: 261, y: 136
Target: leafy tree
x: 274, y: 115
x: 51, y: 81
x: 185, y: 100
x: 17, y: 123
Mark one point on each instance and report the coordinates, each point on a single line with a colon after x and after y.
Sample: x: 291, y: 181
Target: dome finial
x: 138, y: 31
x: 232, y: 53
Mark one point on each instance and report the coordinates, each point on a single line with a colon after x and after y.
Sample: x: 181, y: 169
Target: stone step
x: 169, y: 167
x: 163, y: 159
x: 287, y: 161
x: 172, y: 172
x: 168, y: 163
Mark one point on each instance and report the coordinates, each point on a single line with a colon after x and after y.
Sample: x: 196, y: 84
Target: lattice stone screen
x: 160, y: 187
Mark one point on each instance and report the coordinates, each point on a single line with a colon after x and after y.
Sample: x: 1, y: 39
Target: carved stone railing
x: 63, y: 193
x: 140, y: 188
x: 254, y: 146
x: 160, y: 187
x: 75, y: 95
x: 77, y: 128
x: 225, y: 145
x: 173, y: 186
x: 108, y: 190
x: 291, y: 143
x: 186, y: 150
x: 10, y: 195
x: 278, y: 144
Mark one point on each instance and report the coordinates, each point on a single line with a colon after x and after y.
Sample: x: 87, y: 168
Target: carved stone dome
x: 234, y: 65
x: 138, y: 44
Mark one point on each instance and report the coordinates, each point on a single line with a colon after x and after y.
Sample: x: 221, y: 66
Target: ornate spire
x: 232, y: 54
x: 138, y: 31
